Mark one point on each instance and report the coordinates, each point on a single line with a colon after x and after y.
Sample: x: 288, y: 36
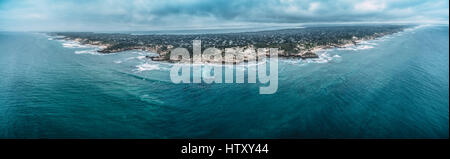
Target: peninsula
x: 298, y: 42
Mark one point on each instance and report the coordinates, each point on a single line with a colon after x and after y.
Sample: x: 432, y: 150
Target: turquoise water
x: 393, y: 87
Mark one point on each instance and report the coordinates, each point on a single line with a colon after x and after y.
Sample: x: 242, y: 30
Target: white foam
x: 74, y: 44
x: 147, y: 67
x: 140, y: 57
x: 323, y: 58
x: 147, y: 97
x: 77, y: 45
x: 364, y: 47
x: 367, y: 43
x: 292, y: 61
x: 361, y: 45
x: 92, y: 52
x: 357, y: 47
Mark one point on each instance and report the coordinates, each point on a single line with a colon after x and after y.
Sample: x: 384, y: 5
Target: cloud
x: 154, y: 14
x: 370, y: 6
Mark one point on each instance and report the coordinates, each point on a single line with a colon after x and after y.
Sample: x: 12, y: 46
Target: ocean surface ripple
x: 392, y: 87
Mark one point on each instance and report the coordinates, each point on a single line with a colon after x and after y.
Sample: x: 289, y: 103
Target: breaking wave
x: 74, y: 44
x: 92, y: 52
x: 357, y: 47
x: 147, y: 67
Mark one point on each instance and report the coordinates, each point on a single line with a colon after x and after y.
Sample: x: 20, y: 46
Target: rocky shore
x: 164, y: 54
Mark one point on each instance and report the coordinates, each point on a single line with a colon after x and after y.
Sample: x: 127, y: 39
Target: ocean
x: 396, y: 86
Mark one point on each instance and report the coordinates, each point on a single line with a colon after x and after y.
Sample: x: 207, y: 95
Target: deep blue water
x: 393, y: 87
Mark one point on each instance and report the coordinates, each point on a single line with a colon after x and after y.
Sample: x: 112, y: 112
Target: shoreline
x: 305, y: 52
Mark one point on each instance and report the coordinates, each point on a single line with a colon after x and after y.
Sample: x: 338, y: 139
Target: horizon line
x: 234, y: 26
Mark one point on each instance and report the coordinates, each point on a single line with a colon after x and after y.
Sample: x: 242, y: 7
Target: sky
x: 140, y: 15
